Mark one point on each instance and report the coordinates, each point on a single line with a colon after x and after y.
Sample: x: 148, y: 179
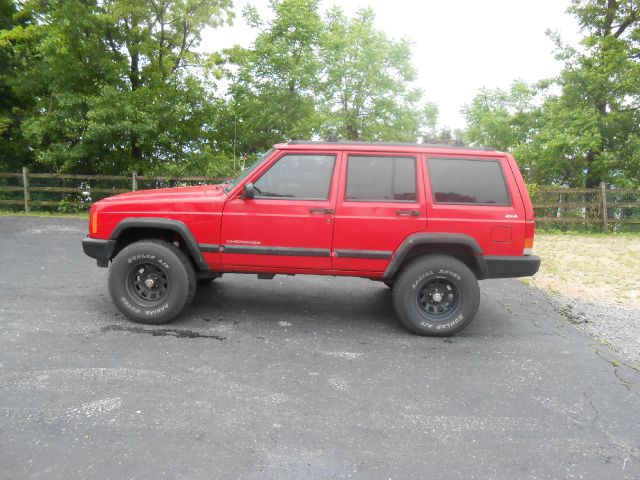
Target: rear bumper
x: 509, y: 267
x: 101, y: 250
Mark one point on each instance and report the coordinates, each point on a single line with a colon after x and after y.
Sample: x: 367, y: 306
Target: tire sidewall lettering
x: 157, y: 310
x: 129, y: 305
x: 141, y: 257
x: 420, y: 279
x: 441, y: 272
x: 449, y: 273
x: 443, y: 326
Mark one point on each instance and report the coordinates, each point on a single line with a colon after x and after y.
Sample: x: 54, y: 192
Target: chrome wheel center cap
x: 149, y: 282
x: 437, y: 297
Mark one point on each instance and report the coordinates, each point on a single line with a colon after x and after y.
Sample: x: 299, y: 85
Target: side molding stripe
x: 208, y: 248
x: 283, y: 251
x: 369, y: 254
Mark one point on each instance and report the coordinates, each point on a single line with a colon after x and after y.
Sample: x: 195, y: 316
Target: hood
x: 160, y: 194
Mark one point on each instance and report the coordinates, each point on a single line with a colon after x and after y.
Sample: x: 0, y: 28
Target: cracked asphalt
x: 291, y: 378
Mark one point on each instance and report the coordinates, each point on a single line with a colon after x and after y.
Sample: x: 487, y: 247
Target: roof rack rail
x: 390, y: 144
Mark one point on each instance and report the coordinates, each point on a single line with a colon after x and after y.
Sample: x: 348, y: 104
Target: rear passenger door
x: 471, y: 195
x: 380, y: 202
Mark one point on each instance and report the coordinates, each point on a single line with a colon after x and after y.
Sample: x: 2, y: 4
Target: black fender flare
x: 436, y: 239
x: 166, y: 224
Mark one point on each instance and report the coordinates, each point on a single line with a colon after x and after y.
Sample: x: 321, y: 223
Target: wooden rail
x: 588, y: 206
x: 27, y: 187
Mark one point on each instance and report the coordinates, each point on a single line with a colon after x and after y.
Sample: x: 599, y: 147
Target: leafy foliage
x: 112, y: 86
x: 274, y: 91
x: 307, y: 77
x: 14, y: 151
x: 367, y: 93
x: 581, y: 128
x: 115, y: 84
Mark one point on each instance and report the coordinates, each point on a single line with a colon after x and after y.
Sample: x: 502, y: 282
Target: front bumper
x: 101, y: 250
x: 510, y: 267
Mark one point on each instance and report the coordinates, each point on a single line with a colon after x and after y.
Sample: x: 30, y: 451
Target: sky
x: 459, y: 46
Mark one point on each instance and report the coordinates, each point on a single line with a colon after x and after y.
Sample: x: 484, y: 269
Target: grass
x: 597, y: 268
x: 10, y: 213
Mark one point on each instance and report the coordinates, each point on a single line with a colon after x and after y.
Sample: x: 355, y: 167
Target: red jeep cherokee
x: 429, y: 221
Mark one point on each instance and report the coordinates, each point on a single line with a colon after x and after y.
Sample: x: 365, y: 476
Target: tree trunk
x: 136, y: 151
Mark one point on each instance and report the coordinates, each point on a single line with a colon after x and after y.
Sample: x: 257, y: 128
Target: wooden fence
x: 86, y: 188
x: 594, y: 208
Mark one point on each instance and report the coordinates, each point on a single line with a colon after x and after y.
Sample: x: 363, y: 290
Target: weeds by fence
x: 600, y: 209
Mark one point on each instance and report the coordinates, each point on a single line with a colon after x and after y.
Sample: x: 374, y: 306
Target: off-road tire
x: 172, y: 276
x: 436, y: 295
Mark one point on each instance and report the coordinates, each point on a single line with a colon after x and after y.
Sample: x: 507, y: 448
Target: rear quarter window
x: 468, y: 181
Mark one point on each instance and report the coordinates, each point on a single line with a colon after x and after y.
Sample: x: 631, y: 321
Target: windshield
x: 247, y: 171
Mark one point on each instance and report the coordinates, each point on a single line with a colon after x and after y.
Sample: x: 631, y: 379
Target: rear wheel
x: 152, y: 281
x: 436, y: 295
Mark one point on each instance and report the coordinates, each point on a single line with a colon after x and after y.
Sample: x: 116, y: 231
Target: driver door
x: 289, y: 222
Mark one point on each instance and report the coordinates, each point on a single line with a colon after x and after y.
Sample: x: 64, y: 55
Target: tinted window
x: 247, y: 171
x: 381, y: 179
x: 467, y: 181
x: 297, y: 176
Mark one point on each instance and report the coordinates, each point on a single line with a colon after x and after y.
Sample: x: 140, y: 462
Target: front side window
x: 382, y: 179
x: 467, y: 181
x: 247, y: 171
x: 306, y: 177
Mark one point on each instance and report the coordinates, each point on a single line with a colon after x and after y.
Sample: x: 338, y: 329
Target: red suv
x: 428, y: 221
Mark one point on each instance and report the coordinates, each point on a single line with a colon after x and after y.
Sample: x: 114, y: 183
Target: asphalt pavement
x: 293, y: 378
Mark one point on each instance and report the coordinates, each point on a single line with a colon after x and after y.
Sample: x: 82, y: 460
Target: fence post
x: 134, y: 181
x: 605, y: 218
x: 25, y: 188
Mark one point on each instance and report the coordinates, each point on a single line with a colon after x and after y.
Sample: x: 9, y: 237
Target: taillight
x: 529, y: 234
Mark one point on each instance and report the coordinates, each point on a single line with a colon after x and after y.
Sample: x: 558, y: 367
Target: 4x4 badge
x: 511, y: 215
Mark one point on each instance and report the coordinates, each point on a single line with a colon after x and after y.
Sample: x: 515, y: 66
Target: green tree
x: 14, y: 151
x: 309, y: 77
x: 275, y: 87
x: 117, y: 84
x: 602, y: 83
x: 588, y: 132
x: 367, y: 92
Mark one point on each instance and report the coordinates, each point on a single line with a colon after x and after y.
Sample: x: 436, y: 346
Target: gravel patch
x: 618, y: 327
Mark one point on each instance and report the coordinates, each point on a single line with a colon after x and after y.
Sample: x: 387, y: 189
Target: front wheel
x: 436, y: 295
x: 152, y: 281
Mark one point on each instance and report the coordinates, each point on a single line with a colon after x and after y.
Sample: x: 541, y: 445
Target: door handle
x: 408, y: 213
x: 322, y: 211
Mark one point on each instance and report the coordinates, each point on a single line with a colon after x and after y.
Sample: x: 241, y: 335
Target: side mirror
x: 247, y: 191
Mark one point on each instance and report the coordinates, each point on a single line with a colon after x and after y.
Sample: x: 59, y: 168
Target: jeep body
x: 427, y: 220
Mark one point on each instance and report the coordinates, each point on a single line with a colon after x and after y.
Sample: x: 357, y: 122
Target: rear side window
x: 467, y: 181
x: 386, y: 179
x: 306, y: 177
